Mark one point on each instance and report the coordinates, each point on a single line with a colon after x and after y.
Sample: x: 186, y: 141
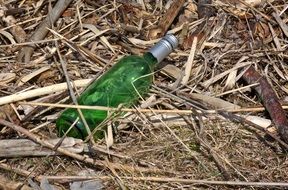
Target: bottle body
x: 128, y: 79
x: 122, y: 84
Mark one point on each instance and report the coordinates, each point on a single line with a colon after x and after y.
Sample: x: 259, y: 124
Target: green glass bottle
x: 115, y: 87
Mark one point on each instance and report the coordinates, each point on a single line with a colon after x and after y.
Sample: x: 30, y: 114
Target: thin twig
x: 175, y: 180
x: 72, y: 94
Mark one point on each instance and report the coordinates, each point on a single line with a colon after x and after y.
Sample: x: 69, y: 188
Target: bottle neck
x: 164, y: 47
x: 151, y: 60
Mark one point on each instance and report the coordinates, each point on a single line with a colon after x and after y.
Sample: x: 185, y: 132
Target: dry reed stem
x: 41, y: 91
x: 190, y: 60
x: 176, y: 180
x: 256, y: 109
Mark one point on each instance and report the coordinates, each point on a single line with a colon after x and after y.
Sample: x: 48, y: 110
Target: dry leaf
x: 231, y: 80
x: 48, y: 77
x: 265, y: 123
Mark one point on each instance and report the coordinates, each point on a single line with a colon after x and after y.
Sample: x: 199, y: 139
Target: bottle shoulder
x: 131, y: 60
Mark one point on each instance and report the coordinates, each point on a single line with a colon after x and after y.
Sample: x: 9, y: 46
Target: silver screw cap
x: 164, y: 47
x: 172, y: 40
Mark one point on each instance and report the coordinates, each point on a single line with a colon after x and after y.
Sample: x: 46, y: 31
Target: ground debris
x: 202, y: 125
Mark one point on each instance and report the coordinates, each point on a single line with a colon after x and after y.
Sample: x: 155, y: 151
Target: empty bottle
x: 130, y: 77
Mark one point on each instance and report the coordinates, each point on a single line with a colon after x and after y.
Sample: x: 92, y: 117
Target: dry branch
x: 269, y: 100
x: 43, y: 29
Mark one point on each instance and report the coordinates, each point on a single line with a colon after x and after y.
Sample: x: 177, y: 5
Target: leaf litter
x: 205, y: 127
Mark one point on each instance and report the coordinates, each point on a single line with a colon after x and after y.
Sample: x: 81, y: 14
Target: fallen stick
x: 24, y: 147
x: 41, y: 91
x: 269, y: 100
x: 43, y: 29
x: 65, y: 179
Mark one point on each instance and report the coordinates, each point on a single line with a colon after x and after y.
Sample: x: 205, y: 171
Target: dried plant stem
x: 236, y: 90
x: 41, y: 91
x: 72, y: 94
x: 18, y: 171
x: 270, y: 100
x: 175, y: 180
x: 258, y: 109
x: 65, y: 179
x: 190, y: 60
x: 30, y: 43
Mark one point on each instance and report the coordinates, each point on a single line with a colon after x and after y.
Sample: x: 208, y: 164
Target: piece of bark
x: 166, y: 20
x: 25, y: 147
x: 269, y: 100
x: 43, y: 29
